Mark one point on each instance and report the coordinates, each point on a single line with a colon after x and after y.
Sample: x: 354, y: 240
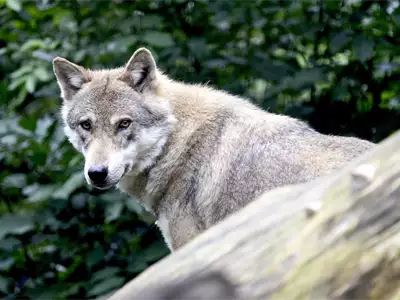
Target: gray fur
x: 193, y: 154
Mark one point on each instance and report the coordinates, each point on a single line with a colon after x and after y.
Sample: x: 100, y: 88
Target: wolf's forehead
x: 103, y: 101
x: 107, y: 89
x: 107, y: 92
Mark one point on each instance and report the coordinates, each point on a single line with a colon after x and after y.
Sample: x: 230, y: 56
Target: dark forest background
x: 334, y: 64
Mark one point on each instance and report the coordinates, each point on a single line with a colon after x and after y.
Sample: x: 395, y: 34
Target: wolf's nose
x: 97, y: 174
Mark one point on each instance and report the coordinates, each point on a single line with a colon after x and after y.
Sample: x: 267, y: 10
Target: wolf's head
x: 114, y: 117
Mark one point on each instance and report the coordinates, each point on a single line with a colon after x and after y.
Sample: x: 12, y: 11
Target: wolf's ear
x: 140, y: 71
x: 70, y: 77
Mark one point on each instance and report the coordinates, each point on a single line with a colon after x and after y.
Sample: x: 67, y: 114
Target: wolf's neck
x: 200, y: 112
x: 191, y: 101
x: 150, y: 185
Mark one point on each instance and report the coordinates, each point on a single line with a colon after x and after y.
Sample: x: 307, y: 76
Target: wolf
x: 191, y: 154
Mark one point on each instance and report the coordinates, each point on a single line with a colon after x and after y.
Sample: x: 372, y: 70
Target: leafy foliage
x: 335, y: 64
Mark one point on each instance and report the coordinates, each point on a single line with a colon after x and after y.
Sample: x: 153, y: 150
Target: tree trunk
x: 337, y: 237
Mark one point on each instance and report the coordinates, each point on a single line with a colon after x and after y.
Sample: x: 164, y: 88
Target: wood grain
x: 337, y: 237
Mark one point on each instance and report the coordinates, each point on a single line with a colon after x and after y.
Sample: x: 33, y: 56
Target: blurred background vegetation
x: 334, y: 64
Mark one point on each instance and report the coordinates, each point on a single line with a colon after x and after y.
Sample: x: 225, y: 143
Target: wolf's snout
x: 98, y: 174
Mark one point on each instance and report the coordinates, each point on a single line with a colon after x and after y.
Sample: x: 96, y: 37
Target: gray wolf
x: 189, y: 153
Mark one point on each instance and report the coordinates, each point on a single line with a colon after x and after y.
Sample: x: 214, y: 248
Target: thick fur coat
x: 188, y: 153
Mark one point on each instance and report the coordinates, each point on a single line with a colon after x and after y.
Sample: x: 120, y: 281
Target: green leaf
x: 301, y: 60
x: 104, y: 273
x: 24, y: 70
x: 333, y: 5
x: 126, y: 42
x: 30, y: 189
x: 151, y: 21
x: 216, y: 63
x: 43, y: 126
x: 78, y: 201
x: 95, y: 256
x: 113, y: 211
x: 340, y: 92
x: 42, y: 74
x: 8, y: 140
x: 9, y: 244
x: 6, y: 125
x: 363, y: 48
x: 105, y: 286
x: 198, y: 47
x: 396, y: 18
x: 30, y: 84
x: 76, y: 181
x: 4, y: 283
x: 158, y: 39
x: 44, y: 192
x: 394, y: 104
x: 305, y: 78
x: 32, y: 44
x: 17, y: 180
x: 56, y: 291
x: 28, y: 124
x: 338, y: 40
x: 6, y: 264
x: 3, y: 93
x: 15, y: 224
x: 137, y: 267
x: 69, y: 290
x: 112, y: 196
x: 134, y: 206
x: 154, y: 252
x: 20, y: 98
x: 16, y: 83
x: 15, y: 5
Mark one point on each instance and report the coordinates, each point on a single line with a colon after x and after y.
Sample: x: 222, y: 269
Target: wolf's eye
x: 124, y: 124
x: 86, y: 125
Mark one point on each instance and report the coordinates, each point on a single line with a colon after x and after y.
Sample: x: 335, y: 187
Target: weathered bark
x: 337, y: 237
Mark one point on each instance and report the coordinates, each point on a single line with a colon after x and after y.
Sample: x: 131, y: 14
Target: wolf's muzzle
x: 98, y: 175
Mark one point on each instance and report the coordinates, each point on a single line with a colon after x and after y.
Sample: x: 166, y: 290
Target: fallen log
x: 337, y: 237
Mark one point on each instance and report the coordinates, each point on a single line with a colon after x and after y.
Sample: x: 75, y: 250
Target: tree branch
x: 333, y: 238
